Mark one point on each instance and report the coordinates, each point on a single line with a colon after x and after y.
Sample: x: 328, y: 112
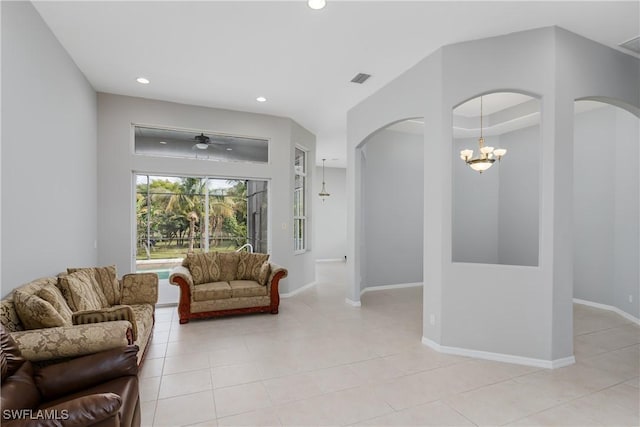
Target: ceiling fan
x: 202, y: 141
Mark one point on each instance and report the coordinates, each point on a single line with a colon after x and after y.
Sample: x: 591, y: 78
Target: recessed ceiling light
x: 163, y: 142
x: 229, y: 149
x: 261, y: 99
x: 143, y: 80
x: 316, y: 4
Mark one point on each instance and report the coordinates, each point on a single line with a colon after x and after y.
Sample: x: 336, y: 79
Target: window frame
x: 300, y: 245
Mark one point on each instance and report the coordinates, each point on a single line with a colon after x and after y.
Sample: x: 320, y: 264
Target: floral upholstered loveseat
x: 217, y: 284
x: 81, y: 312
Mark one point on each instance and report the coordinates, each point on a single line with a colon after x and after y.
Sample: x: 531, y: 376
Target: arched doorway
x: 389, y: 165
x: 606, y: 214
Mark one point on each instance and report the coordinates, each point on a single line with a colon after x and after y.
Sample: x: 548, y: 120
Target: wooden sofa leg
x: 183, y: 321
x: 274, y: 311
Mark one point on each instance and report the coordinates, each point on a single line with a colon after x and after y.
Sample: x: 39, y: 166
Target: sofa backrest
x: 228, y: 265
x: 224, y: 266
x: 107, y: 278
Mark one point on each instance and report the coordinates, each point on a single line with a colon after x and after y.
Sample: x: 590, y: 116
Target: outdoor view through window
x: 177, y: 215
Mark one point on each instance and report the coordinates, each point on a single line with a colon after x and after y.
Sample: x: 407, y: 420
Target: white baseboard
x: 323, y: 260
x: 297, y: 291
x: 609, y: 308
x: 386, y: 287
x: 499, y: 357
x: 352, y: 302
x: 167, y: 304
x: 565, y: 361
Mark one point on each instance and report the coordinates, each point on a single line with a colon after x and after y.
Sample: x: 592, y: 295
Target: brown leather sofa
x: 100, y: 389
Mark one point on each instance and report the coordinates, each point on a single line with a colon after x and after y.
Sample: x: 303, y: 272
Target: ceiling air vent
x: 633, y: 45
x: 360, y: 78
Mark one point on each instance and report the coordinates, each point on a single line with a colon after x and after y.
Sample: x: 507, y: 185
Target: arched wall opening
x: 496, y: 212
x: 606, y: 214
x: 514, y: 313
x: 390, y: 216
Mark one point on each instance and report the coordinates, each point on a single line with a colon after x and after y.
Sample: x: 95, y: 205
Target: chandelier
x: 487, y: 156
x: 323, y: 192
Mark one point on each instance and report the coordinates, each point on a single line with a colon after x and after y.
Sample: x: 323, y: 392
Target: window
x: 178, y: 215
x: 299, y: 206
x: 198, y: 144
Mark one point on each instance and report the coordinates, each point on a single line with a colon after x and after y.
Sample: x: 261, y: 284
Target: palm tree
x: 193, y: 218
x: 220, y: 207
x: 187, y: 203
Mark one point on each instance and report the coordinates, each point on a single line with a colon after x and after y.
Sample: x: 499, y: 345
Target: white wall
x: 606, y: 245
x: 626, y: 267
x: 49, y: 180
x: 330, y: 216
x: 393, y: 208
x: 514, y: 313
x: 519, y: 198
x: 594, y: 205
x: 117, y: 164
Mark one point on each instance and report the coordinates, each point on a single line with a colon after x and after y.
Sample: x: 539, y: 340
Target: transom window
x: 202, y: 145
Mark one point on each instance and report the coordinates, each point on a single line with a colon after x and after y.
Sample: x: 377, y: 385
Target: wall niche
x: 496, y: 212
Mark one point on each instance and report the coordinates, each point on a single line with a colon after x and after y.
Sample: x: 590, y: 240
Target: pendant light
x: 323, y: 192
x: 487, y: 156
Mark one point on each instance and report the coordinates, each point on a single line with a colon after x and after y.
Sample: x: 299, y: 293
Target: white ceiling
x: 226, y: 53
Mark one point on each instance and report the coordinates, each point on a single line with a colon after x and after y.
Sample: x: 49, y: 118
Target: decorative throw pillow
x: 36, y: 313
x: 82, y: 292
x: 228, y: 266
x: 109, y: 314
x: 107, y: 278
x: 53, y: 296
x: 204, y: 267
x: 263, y: 275
x: 249, y: 266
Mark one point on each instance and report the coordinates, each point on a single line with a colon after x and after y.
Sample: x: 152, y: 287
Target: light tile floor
x: 321, y: 362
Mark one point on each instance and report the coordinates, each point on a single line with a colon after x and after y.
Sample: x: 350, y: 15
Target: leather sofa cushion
x: 211, y: 291
x: 247, y: 288
x: 126, y: 387
x: 63, y: 378
x: 93, y: 410
x: 19, y: 391
x: 11, y: 357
